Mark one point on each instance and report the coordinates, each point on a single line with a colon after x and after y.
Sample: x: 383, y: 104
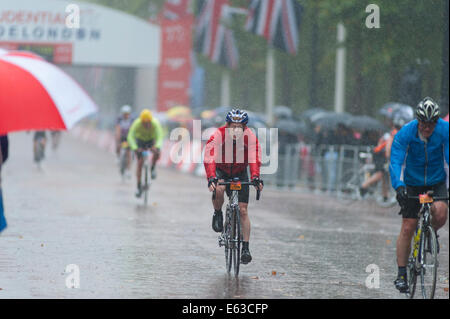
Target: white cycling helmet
x: 126, y: 109
x: 428, y: 110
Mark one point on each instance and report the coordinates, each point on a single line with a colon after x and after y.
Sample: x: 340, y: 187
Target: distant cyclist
x: 228, y: 153
x: 56, y: 139
x: 123, y: 125
x: 4, y: 145
x: 4, y: 149
x: 399, y: 119
x: 382, y: 154
x: 145, y: 133
x: 418, y: 156
x: 39, y: 140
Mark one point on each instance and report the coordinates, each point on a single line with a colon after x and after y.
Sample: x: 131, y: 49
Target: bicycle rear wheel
x: 428, y: 272
x: 236, y: 238
x: 391, y: 195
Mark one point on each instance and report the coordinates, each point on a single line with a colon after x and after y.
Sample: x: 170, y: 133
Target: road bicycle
x: 423, y: 260
x: 354, y: 178
x: 231, y: 237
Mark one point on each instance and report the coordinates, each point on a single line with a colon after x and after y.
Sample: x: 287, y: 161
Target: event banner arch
x: 79, y: 33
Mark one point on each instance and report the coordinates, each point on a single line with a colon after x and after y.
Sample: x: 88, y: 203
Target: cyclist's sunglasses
x: 427, y: 124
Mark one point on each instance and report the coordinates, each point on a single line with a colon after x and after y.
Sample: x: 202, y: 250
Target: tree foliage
x: 411, y: 34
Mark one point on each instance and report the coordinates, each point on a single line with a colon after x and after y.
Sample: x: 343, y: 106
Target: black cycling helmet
x: 237, y: 116
x: 428, y: 110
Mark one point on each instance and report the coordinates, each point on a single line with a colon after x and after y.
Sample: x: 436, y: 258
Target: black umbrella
x: 406, y: 113
x: 331, y: 120
x: 290, y: 127
x: 222, y: 111
x: 256, y: 123
x: 254, y: 117
x: 366, y: 123
x: 282, y: 112
x: 311, y: 112
x: 388, y: 109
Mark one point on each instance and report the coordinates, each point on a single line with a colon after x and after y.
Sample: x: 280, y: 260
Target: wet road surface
x: 78, y: 211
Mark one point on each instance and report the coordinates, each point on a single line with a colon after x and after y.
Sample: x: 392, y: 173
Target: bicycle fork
x: 223, y: 240
x: 222, y: 237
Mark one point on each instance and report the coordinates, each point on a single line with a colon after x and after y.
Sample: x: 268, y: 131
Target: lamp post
x: 339, y: 96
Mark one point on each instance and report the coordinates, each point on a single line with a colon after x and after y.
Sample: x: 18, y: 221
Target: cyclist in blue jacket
x: 418, y: 162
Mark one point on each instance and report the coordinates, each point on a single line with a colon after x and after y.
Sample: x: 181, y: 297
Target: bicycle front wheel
x: 411, y: 273
x: 428, y: 272
x: 123, y: 162
x: 350, y: 185
x: 145, y: 184
x: 236, y: 241
x: 228, y: 242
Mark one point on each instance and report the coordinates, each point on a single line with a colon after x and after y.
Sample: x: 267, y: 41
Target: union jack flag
x: 276, y: 20
x: 176, y: 9
x: 212, y: 37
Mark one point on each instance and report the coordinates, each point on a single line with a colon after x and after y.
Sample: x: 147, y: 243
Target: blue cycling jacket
x: 416, y: 163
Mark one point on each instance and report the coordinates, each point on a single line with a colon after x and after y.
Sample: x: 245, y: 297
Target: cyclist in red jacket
x: 228, y: 153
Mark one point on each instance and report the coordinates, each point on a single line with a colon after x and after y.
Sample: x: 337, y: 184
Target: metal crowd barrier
x: 322, y: 168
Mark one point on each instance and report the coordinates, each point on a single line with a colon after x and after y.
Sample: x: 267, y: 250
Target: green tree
x: 412, y: 33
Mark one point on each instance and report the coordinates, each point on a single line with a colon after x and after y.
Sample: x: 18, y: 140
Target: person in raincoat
x: 3, y: 158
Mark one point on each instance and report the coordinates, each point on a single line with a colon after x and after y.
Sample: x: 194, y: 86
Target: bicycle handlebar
x: 434, y: 198
x: 430, y: 193
x: 258, y: 192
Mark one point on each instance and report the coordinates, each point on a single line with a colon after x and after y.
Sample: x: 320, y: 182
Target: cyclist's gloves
x: 402, y: 197
x: 212, y: 180
x: 257, y: 181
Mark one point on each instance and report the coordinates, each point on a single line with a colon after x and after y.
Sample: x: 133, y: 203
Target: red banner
x: 175, y: 68
x: 60, y: 53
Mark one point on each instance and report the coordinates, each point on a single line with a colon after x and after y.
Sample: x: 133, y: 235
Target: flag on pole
x: 276, y: 20
x: 212, y: 38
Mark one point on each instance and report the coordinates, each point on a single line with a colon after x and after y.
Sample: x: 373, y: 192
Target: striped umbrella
x: 37, y: 95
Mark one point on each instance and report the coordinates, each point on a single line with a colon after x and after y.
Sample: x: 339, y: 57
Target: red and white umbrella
x: 446, y: 118
x: 37, y: 95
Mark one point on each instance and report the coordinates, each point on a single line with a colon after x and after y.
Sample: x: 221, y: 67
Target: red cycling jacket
x: 232, y: 157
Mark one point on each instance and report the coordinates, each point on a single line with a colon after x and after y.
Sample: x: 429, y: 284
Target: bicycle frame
x: 416, y: 259
x: 418, y: 243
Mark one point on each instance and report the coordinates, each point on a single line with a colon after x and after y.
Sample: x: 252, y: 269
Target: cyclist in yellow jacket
x: 145, y: 133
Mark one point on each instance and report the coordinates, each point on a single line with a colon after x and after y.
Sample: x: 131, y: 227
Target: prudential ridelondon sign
x: 71, y: 32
